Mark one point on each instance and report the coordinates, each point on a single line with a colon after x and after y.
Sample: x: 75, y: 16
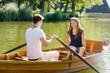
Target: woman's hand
x: 54, y: 37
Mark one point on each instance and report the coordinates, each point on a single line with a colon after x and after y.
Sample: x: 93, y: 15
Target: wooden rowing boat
x: 9, y: 64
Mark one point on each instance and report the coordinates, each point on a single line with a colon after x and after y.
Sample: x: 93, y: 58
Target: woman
x: 35, y: 37
x: 76, y: 34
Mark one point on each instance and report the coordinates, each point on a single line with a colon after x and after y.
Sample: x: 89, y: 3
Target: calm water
x: 12, y: 34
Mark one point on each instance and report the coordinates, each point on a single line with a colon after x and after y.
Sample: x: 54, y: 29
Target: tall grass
x: 9, y: 12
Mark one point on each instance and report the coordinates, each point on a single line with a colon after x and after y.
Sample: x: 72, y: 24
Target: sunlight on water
x: 104, y: 65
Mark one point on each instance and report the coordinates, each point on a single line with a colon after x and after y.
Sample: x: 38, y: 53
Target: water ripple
x: 104, y: 65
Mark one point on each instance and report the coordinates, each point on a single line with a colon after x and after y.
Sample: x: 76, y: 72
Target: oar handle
x: 15, y: 48
x: 85, y: 61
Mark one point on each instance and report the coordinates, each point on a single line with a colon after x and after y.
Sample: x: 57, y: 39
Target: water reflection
x: 12, y: 34
x: 96, y: 29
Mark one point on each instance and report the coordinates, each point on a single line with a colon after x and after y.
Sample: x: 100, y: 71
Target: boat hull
x: 59, y: 66
x: 48, y: 66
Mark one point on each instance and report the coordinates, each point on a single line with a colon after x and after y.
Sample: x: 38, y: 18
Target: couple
x: 35, y: 37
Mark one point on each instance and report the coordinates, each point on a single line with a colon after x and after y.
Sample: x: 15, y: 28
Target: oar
x: 84, y: 60
x: 15, y: 48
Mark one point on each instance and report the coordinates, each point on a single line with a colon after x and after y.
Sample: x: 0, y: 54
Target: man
x: 35, y: 37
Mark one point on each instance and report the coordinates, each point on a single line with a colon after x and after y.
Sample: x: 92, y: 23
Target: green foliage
x: 25, y: 12
x: 99, y: 2
x: 90, y: 3
x: 74, y: 14
x: 49, y: 16
x: 58, y: 15
x: 9, y: 12
x: 55, y: 8
x: 34, y: 12
x: 1, y: 14
x: 65, y: 16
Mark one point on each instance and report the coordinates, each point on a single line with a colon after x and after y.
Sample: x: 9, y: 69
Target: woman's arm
x: 66, y: 37
x: 83, y: 40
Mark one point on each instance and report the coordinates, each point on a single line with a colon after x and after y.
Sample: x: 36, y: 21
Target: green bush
x: 58, y: 15
x: 9, y: 12
x: 65, y: 16
x: 34, y: 12
x: 49, y: 16
x: 74, y: 14
x: 25, y: 12
x: 1, y: 14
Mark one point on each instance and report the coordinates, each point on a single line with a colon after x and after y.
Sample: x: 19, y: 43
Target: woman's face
x: 73, y: 24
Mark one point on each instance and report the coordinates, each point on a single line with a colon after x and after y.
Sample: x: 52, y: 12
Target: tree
x: 76, y: 4
x: 46, y: 5
x: 67, y: 2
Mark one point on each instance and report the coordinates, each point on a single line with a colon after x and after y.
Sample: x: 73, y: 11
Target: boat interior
x: 92, y: 47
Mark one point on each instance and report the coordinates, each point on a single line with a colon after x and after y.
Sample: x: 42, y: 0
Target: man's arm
x: 47, y: 42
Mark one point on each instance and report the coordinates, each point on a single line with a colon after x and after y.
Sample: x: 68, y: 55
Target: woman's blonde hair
x: 78, y: 25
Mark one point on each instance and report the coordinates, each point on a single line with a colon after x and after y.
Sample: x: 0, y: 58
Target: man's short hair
x: 37, y: 18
